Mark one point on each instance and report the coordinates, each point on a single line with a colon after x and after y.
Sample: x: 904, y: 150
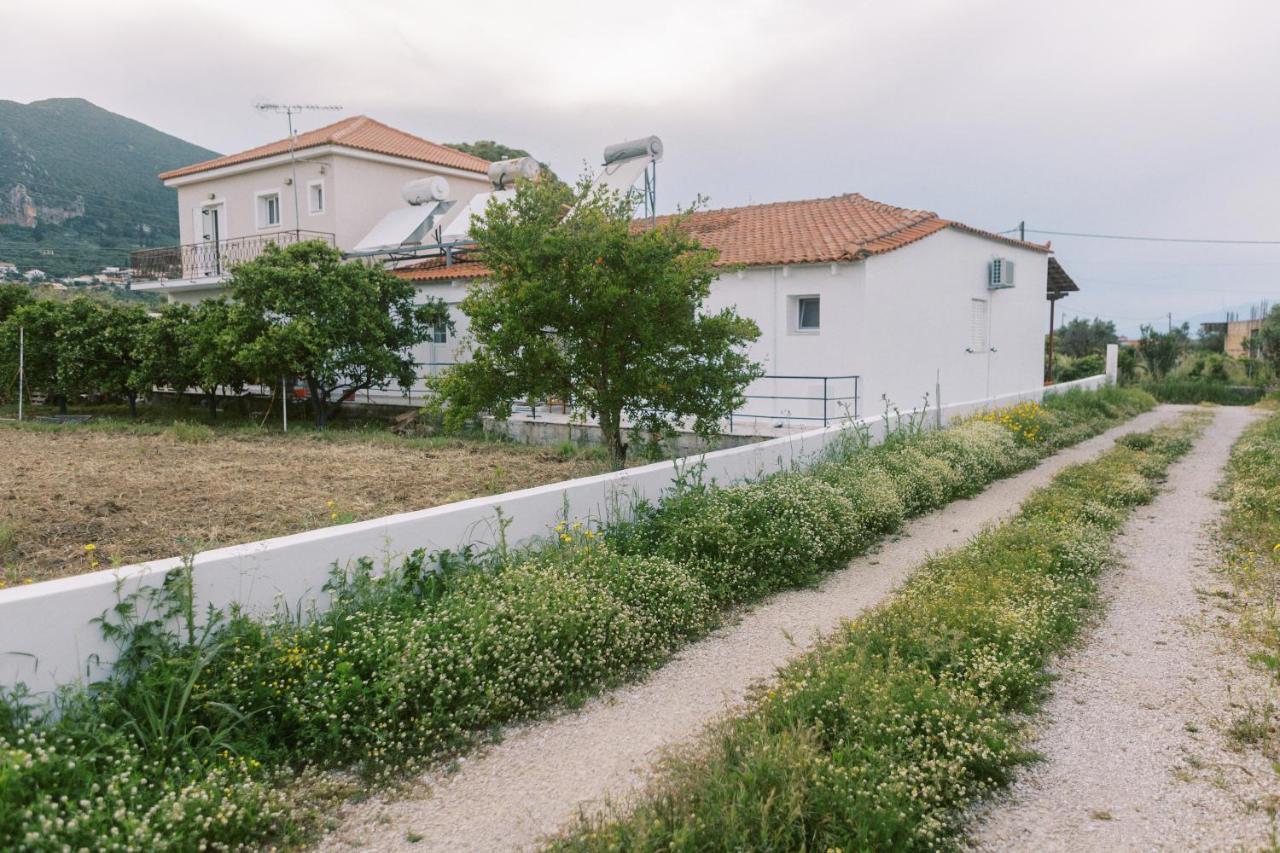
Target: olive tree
x: 340, y: 327
x: 590, y: 308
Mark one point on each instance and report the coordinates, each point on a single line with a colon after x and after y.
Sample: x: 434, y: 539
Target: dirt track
x: 1134, y: 755
x: 541, y: 774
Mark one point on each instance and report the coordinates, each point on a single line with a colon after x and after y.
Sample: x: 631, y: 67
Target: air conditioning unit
x: 1000, y: 274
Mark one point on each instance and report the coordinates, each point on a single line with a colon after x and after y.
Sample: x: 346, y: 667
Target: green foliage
x: 13, y: 295
x: 1160, y: 351
x: 1082, y: 337
x: 585, y: 308
x: 1269, y: 339
x: 1068, y: 369
x: 342, y: 327
x: 74, y: 157
x: 103, y: 348
x: 883, y: 737
x: 1175, y: 389
x: 202, y: 730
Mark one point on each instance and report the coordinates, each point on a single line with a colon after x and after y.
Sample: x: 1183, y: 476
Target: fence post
x: 1113, y: 364
x: 22, y: 366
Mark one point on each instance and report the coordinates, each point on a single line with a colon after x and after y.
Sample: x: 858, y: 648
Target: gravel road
x: 529, y: 785
x: 1134, y: 754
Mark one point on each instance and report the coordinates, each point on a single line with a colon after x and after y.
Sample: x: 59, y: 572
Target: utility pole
x: 289, y: 110
x: 1170, y: 323
x: 1022, y: 231
x: 22, y: 366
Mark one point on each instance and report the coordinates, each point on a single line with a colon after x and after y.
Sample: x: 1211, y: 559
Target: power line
x: 1149, y: 239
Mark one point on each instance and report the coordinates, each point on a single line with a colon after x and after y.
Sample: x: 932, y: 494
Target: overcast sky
x: 1117, y: 117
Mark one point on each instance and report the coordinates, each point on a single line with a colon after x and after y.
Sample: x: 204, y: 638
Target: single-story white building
x: 845, y: 287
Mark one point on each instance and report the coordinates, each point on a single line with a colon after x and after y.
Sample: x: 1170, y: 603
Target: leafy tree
x: 589, y: 309
x: 103, y: 349
x: 1160, y: 351
x: 13, y: 295
x: 1082, y: 337
x: 43, y: 321
x: 487, y: 149
x: 167, y: 353
x: 1268, y: 342
x: 341, y: 327
x: 214, y: 343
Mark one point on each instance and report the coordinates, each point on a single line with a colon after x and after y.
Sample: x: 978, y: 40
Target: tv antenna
x: 289, y: 111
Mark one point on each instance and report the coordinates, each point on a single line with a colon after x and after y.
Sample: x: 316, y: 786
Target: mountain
x: 78, y: 187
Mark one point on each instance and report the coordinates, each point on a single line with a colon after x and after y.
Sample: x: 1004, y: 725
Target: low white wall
x: 48, y: 639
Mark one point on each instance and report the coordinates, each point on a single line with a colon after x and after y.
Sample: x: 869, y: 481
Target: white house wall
x: 918, y: 323
x: 239, y: 196
x: 767, y: 295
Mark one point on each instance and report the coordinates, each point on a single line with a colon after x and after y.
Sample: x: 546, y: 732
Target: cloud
x: 1140, y: 117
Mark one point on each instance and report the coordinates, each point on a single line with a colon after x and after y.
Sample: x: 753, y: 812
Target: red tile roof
x: 436, y: 270
x: 826, y: 230
x: 359, y: 132
x: 842, y: 228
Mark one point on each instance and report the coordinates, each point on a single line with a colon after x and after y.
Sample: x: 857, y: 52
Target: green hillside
x: 78, y: 186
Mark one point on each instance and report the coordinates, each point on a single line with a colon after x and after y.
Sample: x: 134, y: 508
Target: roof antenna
x: 289, y: 110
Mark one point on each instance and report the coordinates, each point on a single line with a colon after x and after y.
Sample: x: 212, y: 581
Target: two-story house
x: 333, y: 183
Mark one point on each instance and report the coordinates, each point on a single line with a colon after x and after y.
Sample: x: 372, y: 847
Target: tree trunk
x: 212, y: 397
x: 62, y: 404
x: 611, y: 433
x: 133, y: 403
x: 319, y: 399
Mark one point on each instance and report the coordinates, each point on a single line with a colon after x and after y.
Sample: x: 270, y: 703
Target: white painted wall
x: 896, y: 320
x: 47, y: 638
x: 359, y: 192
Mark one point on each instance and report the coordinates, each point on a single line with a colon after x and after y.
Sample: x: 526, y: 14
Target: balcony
x: 212, y: 258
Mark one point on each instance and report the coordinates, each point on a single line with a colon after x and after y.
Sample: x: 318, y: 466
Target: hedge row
x: 881, y: 738
x: 196, y: 736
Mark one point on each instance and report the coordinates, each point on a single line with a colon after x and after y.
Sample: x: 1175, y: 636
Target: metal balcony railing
x: 211, y: 257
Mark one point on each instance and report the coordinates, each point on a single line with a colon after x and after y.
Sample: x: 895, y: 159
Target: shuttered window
x: 978, y: 325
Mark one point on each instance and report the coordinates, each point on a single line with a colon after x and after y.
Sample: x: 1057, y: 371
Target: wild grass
x: 881, y: 738
x: 1251, y: 532
x: 209, y: 727
x: 1185, y: 389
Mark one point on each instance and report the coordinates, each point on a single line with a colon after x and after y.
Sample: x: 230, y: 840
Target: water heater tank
x: 645, y: 146
x: 504, y: 173
x: 424, y: 190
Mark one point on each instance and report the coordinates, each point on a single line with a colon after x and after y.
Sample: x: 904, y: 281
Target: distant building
x: 34, y: 275
x: 1239, y: 336
x: 349, y: 175
x: 8, y: 269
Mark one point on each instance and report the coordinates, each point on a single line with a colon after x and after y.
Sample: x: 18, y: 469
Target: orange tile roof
x: 359, y: 132
x: 436, y: 270
x: 826, y: 230
x: 842, y: 228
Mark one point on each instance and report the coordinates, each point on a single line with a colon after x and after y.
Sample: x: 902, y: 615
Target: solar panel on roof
x: 407, y: 226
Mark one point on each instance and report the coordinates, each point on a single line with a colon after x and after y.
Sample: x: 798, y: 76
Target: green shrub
x: 883, y: 737
x: 197, y: 736
x: 1202, y: 390
x: 749, y: 540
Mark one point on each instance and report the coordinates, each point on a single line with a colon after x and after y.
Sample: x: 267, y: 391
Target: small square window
x: 268, y: 210
x: 440, y: 333
x: 807, y: 314
x: 315, y: 195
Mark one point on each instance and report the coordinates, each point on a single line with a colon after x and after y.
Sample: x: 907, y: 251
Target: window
x: 315, y: 197
x: 268, y: 209
x: 440, y: 333
x: 977, y: 325
x: 807, y: 314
